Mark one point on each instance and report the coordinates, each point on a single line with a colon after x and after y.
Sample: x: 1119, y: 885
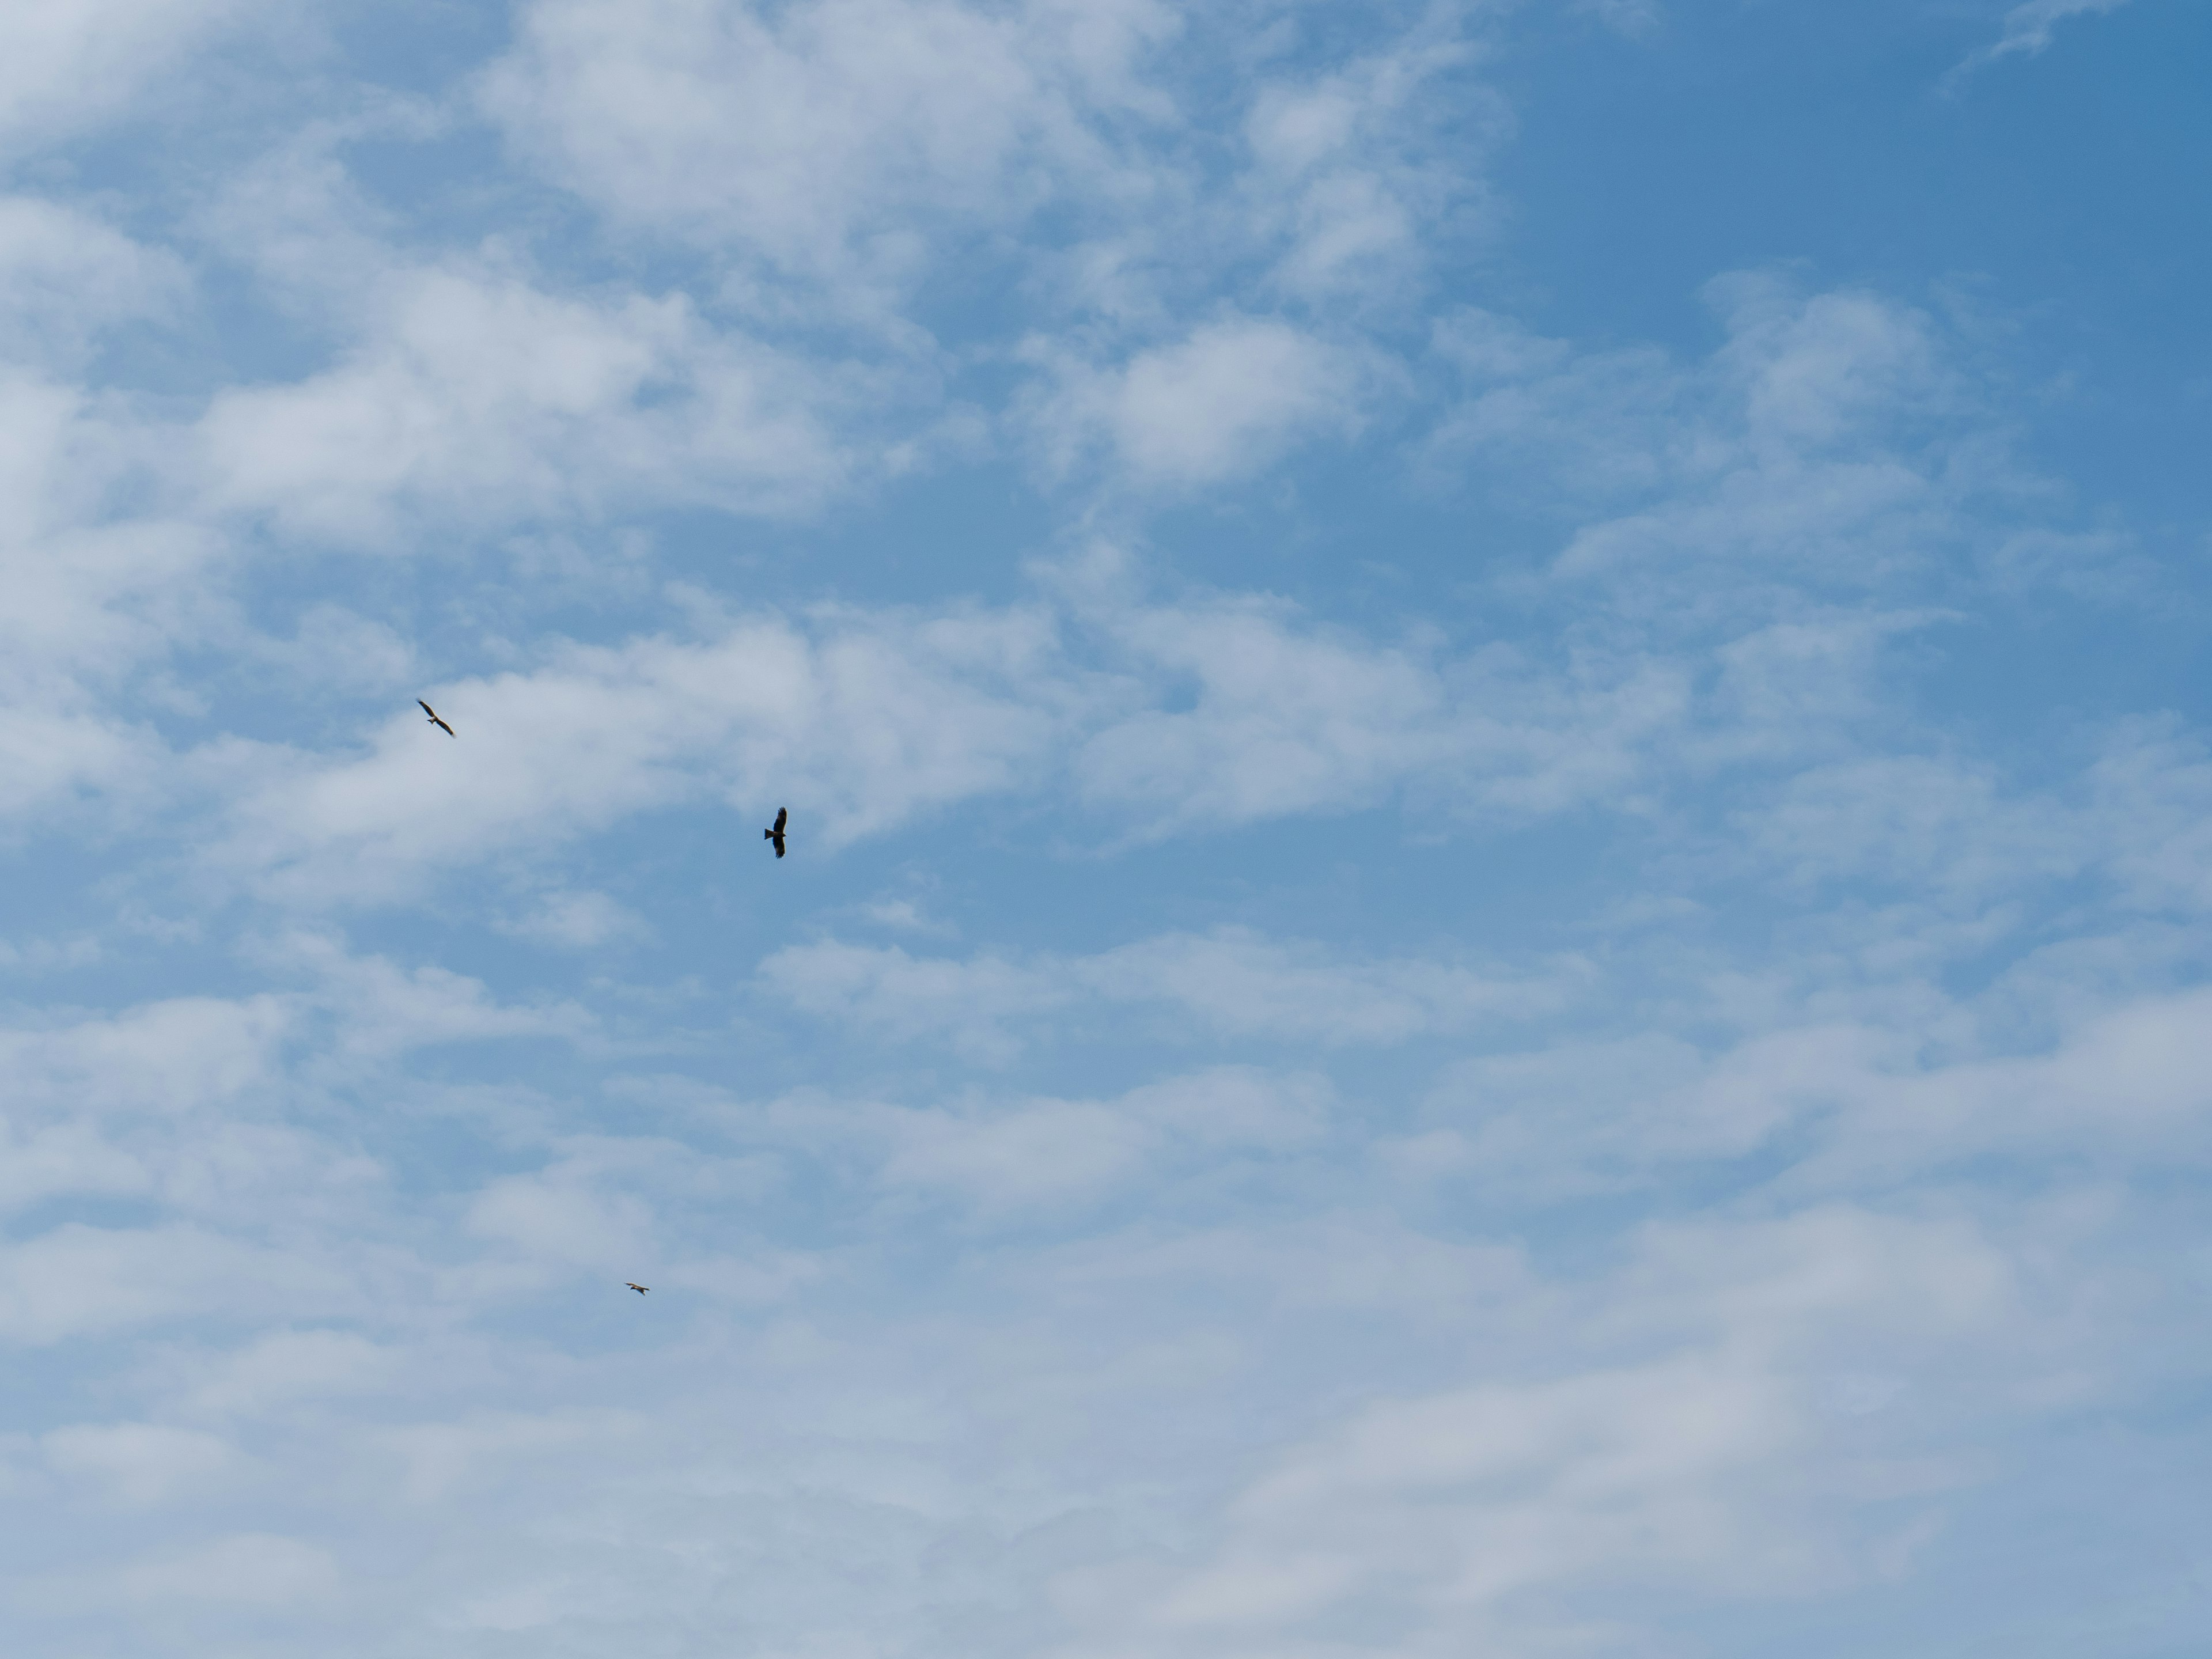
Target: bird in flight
x: 434, y: 720
x: 639, y: 1289
x: 776, y: 834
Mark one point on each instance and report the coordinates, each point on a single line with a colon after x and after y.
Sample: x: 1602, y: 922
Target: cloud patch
x: 1225, y: 402
x: 1231, y: 984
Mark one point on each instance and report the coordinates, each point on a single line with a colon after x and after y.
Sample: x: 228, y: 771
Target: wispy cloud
x: 1230, y: 983
x: 1229, y: 401
x: 2029, y: 28
x: 66, y: 67
x: 834, y: 141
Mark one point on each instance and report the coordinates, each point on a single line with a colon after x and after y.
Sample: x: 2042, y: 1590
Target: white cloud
x: 138, y: 1464
x: 1349, y: 178
x: 1813, y: 1287
x: 91, y: 595
x: 1232, y: 983
x: 52, y: 762
x: 45, y: 956
x: 620, y: 1208
x: 1050, y: 1153
x: 1828, y: 369
x: 249, y: 1569
x: 856, y: 723
x: 2152, y: 795
x: 2030, y: 27
x: 1805, y: 691
x: 1784, y: 455
x: 440, y: 1460
x: 832, y: 138
x: 2122, y: 1086
x: 582, y: 921
x: 1355, y: 1261
x: 1525, y: 1512
x: 1243, y: 985
x: 574, y: 1227
x: 341, y: 651
x: 909, y: 997
x: 859, y: 721
x: 1231, y: 398
x: 38, y: 1162
x: 83, y: 1281
x: 64, y: 275
x: 94, y: 600
x: 285, y: 1368
x: 66, y: 65
x: 1289, y: 718
x: 1828, y: 445
x: 379, y: 1009
x: 1836, y: 461
x: 462, y: 395
x: 178, y: 1056
x: 188, y: 1055
x: 1034, y: 1158
x: 859, y: 145
x: 1468, y: 1499
x: 1858, y: 1100
x: 1915, y: 821
x: 478, y: 398
x: 190, y: 1104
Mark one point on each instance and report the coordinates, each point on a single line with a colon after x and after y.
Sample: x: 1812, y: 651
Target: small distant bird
x: 434, y: 720
x: 639, y: 1289
x: 776, y: 834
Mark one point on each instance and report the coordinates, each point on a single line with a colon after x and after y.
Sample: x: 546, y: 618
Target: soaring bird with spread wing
x: 782, y: 814
x: 434, y: 720
x: 639, y: 1289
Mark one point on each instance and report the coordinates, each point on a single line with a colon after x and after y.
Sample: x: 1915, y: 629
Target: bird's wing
x: 779, y: 846
x: 443, y: 727
x: 426, y: 708
x: 782, y: 813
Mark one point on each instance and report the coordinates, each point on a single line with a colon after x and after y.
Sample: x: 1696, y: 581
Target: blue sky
x: 1496, y: 725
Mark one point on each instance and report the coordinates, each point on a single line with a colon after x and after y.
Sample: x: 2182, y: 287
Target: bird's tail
x: 767, y: 835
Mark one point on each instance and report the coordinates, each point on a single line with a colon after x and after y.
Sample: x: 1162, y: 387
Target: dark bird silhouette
x: 639, y: 1289
x: 434, y: 720
x: 776, y: 834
